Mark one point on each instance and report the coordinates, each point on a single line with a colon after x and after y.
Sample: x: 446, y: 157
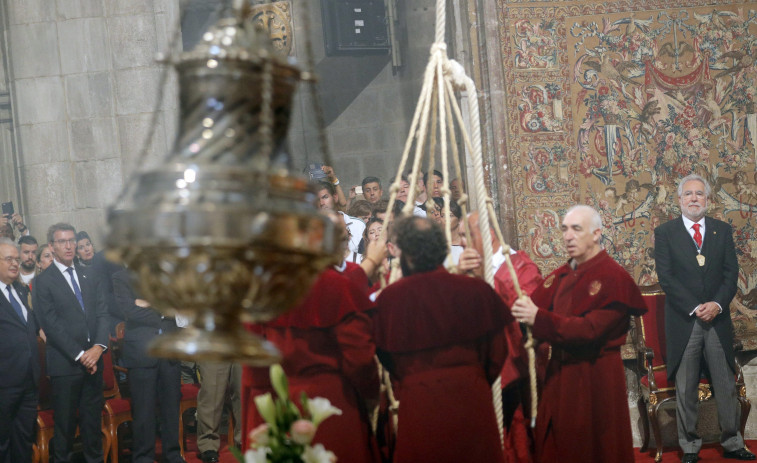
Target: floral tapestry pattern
x: 612, y: 103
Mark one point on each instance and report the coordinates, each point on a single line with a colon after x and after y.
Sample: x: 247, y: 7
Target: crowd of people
x: 438, y: 337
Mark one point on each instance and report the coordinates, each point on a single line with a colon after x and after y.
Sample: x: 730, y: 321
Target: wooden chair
x: 656, y: 390
x: 45, y: 422
x: 117, y: 409
x: 46, y: 417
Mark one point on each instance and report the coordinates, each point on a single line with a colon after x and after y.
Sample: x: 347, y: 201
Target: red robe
x: 516, y: 400
x: 441, y: 337
x: 583, y: 406
x: 327, y: 351
x: 355, y: 273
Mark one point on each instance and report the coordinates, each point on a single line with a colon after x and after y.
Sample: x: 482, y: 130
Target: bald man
x: 583, y: 310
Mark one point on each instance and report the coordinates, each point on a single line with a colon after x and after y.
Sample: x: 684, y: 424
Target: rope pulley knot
x: 489, y: 200
x: 456, y: 72
x: 438, y: 48
x: 394, y: 188
x: 445, y: 191
x: 463, y: 199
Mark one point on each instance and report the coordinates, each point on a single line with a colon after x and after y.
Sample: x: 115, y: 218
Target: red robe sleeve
x: 353, y: 335
x: 529, y: 278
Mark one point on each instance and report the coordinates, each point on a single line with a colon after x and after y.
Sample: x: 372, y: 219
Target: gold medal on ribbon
x: 700, y: 259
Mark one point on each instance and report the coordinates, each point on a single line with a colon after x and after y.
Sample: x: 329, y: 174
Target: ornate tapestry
x: 611, y: 103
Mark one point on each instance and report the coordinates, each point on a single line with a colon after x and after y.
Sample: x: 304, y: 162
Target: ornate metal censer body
x: 223, y: 231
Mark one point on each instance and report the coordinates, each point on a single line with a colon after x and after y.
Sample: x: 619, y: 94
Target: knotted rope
x: 437, y: 104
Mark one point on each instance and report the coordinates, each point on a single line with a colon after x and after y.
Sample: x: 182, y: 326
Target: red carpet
x: 710, y: 453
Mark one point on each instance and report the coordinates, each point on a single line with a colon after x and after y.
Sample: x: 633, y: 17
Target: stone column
x: 85, y: 87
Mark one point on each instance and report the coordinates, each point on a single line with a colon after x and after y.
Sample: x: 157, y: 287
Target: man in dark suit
x: 697, y: 268
x: 19, y: 362
x: 152, y: 380
x: 72, y: 310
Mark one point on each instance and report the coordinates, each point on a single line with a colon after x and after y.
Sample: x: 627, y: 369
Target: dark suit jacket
x: 18, y: 342
x: 69, y: 330
x: 142, y: 324
x: 687, y: 285
x: 104, y: 269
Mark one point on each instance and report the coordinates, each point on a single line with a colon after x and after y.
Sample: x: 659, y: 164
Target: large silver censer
x: 223, y: 231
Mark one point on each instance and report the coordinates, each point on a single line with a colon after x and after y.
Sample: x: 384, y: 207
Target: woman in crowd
x: 360, y: 209
x: 456, y: 244
x: 44, y: 258
x: 85, y: 251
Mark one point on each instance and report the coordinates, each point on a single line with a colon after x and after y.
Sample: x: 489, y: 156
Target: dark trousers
x: 18, y: 412
x: 150, y: 387
x: 82, y: 393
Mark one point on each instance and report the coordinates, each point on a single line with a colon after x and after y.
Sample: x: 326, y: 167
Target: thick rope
x: 439, y: 101
x: 478, y: 168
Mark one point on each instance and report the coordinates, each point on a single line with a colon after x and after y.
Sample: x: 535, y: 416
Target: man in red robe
x: 515, y: 381
x: 327, y: 351
x: 583, y: 311
x: 441, y: 338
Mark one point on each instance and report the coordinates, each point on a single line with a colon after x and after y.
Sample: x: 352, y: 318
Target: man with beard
x: 441, y: 337
x: 28, y: 245
x: 697, y: 267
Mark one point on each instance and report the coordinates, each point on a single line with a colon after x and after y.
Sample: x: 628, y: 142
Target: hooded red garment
x: 584, y: 314
x: 516, y: 398
x: 441, y: 337
x: 327, y: 351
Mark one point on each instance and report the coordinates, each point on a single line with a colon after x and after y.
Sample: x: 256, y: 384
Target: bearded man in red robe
x: 583, y: 311
x: 441, y: 337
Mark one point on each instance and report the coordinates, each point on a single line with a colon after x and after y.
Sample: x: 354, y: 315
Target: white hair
x: 595, y: 220
x: 692, y: 177
x: 9, y: 242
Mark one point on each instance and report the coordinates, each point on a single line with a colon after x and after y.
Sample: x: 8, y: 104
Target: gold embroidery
x: 548, y: 282
x: 594, y: 287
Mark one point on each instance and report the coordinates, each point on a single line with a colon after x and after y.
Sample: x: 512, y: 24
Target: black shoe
x: 690, y: 458
x: 209, y: 456
x: 739, y: 454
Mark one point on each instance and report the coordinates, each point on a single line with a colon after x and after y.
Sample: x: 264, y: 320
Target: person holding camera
x: 10, y: 220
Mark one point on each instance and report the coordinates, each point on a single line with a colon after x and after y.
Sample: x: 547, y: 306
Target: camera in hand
x: 315, y: 172
x: 8, y: 209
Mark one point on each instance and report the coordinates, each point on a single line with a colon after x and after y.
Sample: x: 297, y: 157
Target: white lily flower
x: 320, y: 409
x: 279, y: 381
x: 256, y: 456
x: 266, y: 407
x: 317, y: 454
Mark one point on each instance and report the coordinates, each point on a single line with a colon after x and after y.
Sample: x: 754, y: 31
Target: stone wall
x: 85, y: 85
x: 368, y: 104
x: 85, y: 82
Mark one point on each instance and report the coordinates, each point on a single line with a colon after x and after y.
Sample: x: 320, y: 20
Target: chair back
x: 110, y: 385
x: 120, y: 330
x: 653, y: 322
x: 45, y: 388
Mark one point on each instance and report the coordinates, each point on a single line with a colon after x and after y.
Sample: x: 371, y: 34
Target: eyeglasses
x: 10, y: 260
x: 72, y: 242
